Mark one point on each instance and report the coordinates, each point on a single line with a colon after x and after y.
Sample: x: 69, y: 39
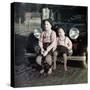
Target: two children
x: 52, y: 45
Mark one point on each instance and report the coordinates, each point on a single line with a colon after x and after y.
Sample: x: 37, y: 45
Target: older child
x: 47, y: 43
x: 64, y: 44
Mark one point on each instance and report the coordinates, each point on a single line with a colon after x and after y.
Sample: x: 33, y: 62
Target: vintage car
x: 78, y: 38
x: 74, y: 22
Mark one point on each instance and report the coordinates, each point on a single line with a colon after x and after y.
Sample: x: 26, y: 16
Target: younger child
x: 64, y: 44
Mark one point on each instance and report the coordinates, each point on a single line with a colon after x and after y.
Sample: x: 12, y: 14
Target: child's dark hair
x: 43, y: 22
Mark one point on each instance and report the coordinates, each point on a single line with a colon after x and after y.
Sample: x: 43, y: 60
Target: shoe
x: 54, y: 67
x: 50, y: 71
x: 42, y: 71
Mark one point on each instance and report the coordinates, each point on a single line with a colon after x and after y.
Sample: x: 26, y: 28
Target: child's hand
x: 42, y: 51
x: 67, y: 47
x: 45, y: 53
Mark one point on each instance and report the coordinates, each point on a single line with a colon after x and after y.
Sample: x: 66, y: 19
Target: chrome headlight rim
x: 74, y: 33
x: 37, y: 33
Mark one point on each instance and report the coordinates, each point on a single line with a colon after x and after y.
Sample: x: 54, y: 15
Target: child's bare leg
x: 39, y: 62
x: 49, y: 61
x: 65, y: 61
x: 55, y: 58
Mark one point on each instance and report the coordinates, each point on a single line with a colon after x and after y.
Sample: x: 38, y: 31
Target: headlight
x: 74, y: 33
x: 37, y: 33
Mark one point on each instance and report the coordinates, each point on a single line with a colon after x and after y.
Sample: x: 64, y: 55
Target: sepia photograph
x: 49, y: 44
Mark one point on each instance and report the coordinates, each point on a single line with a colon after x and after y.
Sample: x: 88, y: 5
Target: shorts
x: 45, y: 45
x: 61, y: 50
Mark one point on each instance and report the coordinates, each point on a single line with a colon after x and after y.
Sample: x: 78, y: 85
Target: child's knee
x: 49, y: 59
x: 64, y: 55
x: 55, y: 53
x: 39, y: 59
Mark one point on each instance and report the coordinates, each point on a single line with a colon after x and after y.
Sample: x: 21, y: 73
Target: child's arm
x: 53, y: 44
x: 69, y: 43
x: 41, y: 42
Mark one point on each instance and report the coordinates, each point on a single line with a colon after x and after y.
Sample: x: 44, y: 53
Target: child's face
x: 47, y: 26
x: 61, y: 32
